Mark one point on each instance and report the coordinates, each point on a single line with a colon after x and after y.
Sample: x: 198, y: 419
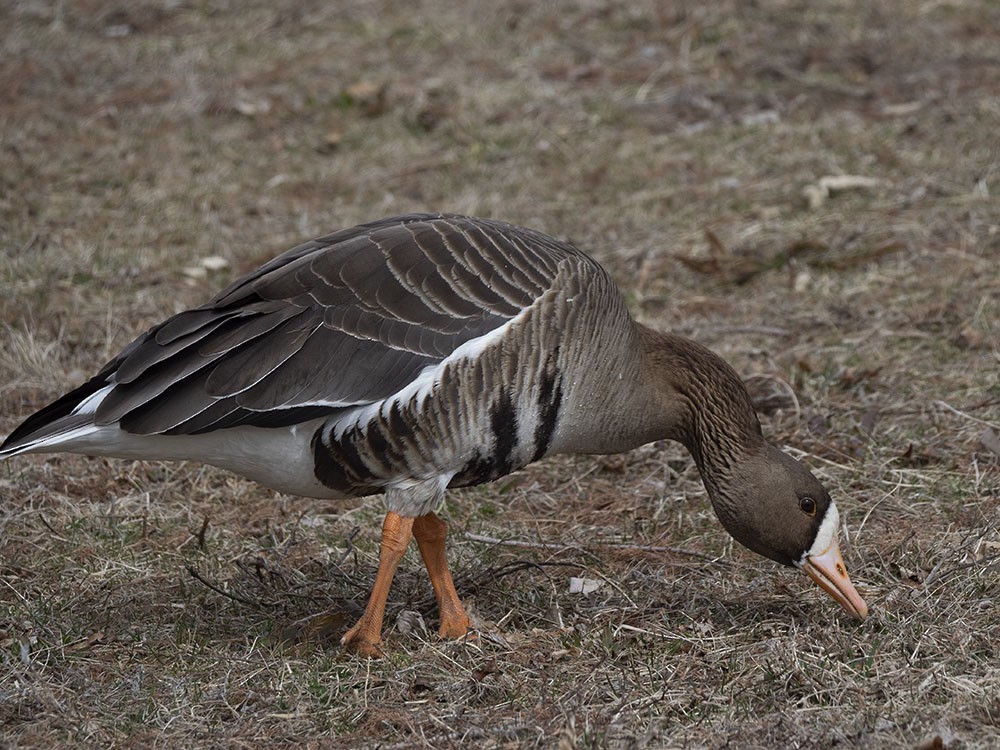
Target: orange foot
x: 457, y: 626
x: 365, y: 637
x: 430, y: 532
x: 361, y: 642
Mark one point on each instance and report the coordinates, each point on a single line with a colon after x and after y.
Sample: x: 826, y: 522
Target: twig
x: 606, y: 545
x: 47, y: 525
x: 473, y: 582
x: 201, y: 533
x: 960, y: 413
x: 350, y: 547
x: 987, y: 563
x: 495, y: 574
x: 228, y: 594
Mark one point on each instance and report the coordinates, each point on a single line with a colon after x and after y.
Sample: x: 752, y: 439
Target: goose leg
x: 430, y: 532
x: 366, y: 636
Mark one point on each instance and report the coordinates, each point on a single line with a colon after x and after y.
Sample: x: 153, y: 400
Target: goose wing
x: 340, y: 321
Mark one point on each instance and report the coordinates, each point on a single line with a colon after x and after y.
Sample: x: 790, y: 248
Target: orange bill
x: 828, y: 570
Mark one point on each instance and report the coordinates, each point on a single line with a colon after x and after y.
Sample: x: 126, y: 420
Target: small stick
x: 48, y: 525
x: 607, y: 545
x: 953, y: 410
x: 228, y: 594
x: 350, y: 547
x: 201, y: 533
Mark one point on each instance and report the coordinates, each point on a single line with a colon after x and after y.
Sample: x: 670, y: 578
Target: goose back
x: 417, y: 348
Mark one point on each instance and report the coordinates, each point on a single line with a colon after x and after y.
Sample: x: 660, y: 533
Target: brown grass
x: 674, y: 142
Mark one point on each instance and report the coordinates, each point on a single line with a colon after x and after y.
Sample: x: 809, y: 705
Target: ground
x: 808, y: 188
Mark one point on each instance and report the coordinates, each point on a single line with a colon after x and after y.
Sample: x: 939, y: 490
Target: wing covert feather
x: 346, y: 319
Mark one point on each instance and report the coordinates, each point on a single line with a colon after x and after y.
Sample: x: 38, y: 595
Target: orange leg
x: 366, y: 636
x: 430, y: 532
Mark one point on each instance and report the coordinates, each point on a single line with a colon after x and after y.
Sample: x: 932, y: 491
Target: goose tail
x: 64, y: 421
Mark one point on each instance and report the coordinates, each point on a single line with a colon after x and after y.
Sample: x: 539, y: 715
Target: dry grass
x: 674, y: 142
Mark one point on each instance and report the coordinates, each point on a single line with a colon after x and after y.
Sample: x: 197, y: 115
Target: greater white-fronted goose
x: 422, y: 352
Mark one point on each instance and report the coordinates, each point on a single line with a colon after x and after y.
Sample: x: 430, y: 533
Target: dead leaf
x: 583, y: 585
x: 326, y: 627
x: 840, y: 182
x: 331, y: 141
x: 421, y: 685
x: 84, y: 643
x: 851, y: 376
x: 844, y: 261
x: 968, y: 337
x: 716, y: 245
x: 615, y: 463
x: 435, y: 104
x: 986, y: 549
x: 250, y: 105
x: 931, y: 743
x: 816, y: 194
x: 916, y: 580
x: 481, y: 673
x: 924, y: 456
x: 409, y: 620
x: 587, y: 72
x: 369, y: 96
x: 214, y: 263
x: 707, y: 266
x: 805, y: 249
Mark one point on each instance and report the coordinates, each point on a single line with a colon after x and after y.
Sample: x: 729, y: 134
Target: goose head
x: 767, y: 500
x: 775, y: 506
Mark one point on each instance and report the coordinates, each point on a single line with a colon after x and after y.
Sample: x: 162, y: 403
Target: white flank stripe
x: 428, y: 378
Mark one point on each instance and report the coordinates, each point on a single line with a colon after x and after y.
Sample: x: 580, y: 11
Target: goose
x: 421, y: 352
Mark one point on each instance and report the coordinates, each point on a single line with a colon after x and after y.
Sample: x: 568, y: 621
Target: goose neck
x: 706, y: 404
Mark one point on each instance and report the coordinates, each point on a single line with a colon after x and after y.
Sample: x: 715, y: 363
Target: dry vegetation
x: 684, y: 145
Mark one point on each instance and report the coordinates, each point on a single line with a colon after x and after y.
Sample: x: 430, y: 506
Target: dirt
x: 810, y: 189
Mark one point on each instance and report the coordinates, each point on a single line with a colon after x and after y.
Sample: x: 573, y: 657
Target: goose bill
x: 827, y: 569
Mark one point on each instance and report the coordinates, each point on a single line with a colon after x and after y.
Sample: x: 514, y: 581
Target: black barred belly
x: 364, y: 458
x: 504, y: 454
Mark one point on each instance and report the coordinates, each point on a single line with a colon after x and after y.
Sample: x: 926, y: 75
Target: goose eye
x: 808, y: 506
